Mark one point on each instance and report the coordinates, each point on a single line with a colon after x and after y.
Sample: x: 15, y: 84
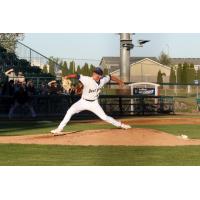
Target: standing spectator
x: 21, y: 98
x: 8, y: 88
x: 10, y: 74
x: 31, y: 88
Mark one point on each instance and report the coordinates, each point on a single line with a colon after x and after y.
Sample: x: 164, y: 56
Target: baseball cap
x: 98, y: 71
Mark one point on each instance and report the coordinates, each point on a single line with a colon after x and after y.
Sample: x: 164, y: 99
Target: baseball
x: 185, y: 137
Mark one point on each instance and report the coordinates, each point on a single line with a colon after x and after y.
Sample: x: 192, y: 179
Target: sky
x: 93, y: 46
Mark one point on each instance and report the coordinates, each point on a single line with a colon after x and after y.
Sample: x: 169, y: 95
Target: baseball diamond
x: 150, y: 141
x: 125, y: 110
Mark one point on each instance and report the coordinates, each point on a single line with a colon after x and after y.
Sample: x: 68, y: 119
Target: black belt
x: 90, y: 100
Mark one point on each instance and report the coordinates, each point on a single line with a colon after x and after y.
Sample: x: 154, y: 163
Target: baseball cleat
x: 125, y: 126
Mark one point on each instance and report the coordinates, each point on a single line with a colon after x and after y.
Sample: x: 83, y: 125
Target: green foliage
x: 85, y: 70
x: 78, y: 71
x: 105, y: 71
x: 184, y: 73
x: 172, y: 78
x: 179, y: 73
x: 191, y: 74
x: 91, y: 69
x: 8, y: 40
x: 72, y: 67
x: 64, y: 69
x: 198, y: 74
x: 159, y: 77
x: 164, y: 59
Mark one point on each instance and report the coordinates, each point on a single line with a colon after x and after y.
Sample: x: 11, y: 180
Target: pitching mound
x: 131, y: 137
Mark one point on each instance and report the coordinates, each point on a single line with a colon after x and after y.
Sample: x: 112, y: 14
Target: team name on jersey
x: 96, y: 90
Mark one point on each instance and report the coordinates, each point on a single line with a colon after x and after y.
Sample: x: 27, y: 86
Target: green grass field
x: 45, y: 155
x: 55, y: 155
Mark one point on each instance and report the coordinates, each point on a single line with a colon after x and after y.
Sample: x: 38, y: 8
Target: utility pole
x: 125, y: 47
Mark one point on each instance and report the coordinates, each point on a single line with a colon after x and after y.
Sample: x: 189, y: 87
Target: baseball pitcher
x: 89, y: 99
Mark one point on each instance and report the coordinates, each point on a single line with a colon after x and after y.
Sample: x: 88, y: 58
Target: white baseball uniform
x: 89, y: 101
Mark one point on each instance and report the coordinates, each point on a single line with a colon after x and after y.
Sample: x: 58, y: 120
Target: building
x: 113, y: 63
x: 141, y: 68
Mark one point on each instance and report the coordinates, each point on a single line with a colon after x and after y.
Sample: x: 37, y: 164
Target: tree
x: 105, y: 71
x: 91, y: 69
x: 179, y: 73
x: 72, y: 68
x: 85, y: 69
x: 191, y: 74
x: 172, y: 78
x: 198, y: 74
x: 164, y: 59
x: 64, y: 69
x: 184, y: 73
x: 159, y: 77
x: 45, y: 69
x: 9, y: 40
x: 78, y: 71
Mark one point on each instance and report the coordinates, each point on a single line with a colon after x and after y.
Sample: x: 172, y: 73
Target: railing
x: 114, y: 105
x: 29, y: 56
x: 34, y: 57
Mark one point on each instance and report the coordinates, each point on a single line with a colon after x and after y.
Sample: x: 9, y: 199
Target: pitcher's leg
x: 75, y: 108
x: 102, y: 115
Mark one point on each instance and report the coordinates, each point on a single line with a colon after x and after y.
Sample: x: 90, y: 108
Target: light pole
x: 125, y: 47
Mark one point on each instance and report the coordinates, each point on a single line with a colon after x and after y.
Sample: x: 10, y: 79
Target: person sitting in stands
x: 52, y: 87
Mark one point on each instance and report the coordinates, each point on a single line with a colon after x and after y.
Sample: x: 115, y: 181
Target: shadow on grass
x: 25, y: 128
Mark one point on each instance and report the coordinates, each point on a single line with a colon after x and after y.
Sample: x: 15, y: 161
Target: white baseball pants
x: 92, y: 106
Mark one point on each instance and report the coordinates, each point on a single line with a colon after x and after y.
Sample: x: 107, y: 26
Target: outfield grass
x: 51, y: 155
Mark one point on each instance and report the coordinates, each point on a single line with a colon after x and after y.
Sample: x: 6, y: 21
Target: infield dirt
x: 131, y: 137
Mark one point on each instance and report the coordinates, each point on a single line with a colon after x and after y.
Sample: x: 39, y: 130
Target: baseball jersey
x: 91, y: 88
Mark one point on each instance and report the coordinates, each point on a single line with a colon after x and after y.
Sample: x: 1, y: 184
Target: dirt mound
x: 131, y: 137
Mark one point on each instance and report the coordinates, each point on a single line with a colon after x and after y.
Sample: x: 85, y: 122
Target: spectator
x: 31, y: 88
x: 21, y: 98
x: 43, y: 89
x: 72, y: 90
x: 10, y: 74
x: 8, y: 88
x: 52, y: 87
x: 21, y: 77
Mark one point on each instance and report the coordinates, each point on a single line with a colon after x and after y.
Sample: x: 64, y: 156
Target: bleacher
x: 20, y: 61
